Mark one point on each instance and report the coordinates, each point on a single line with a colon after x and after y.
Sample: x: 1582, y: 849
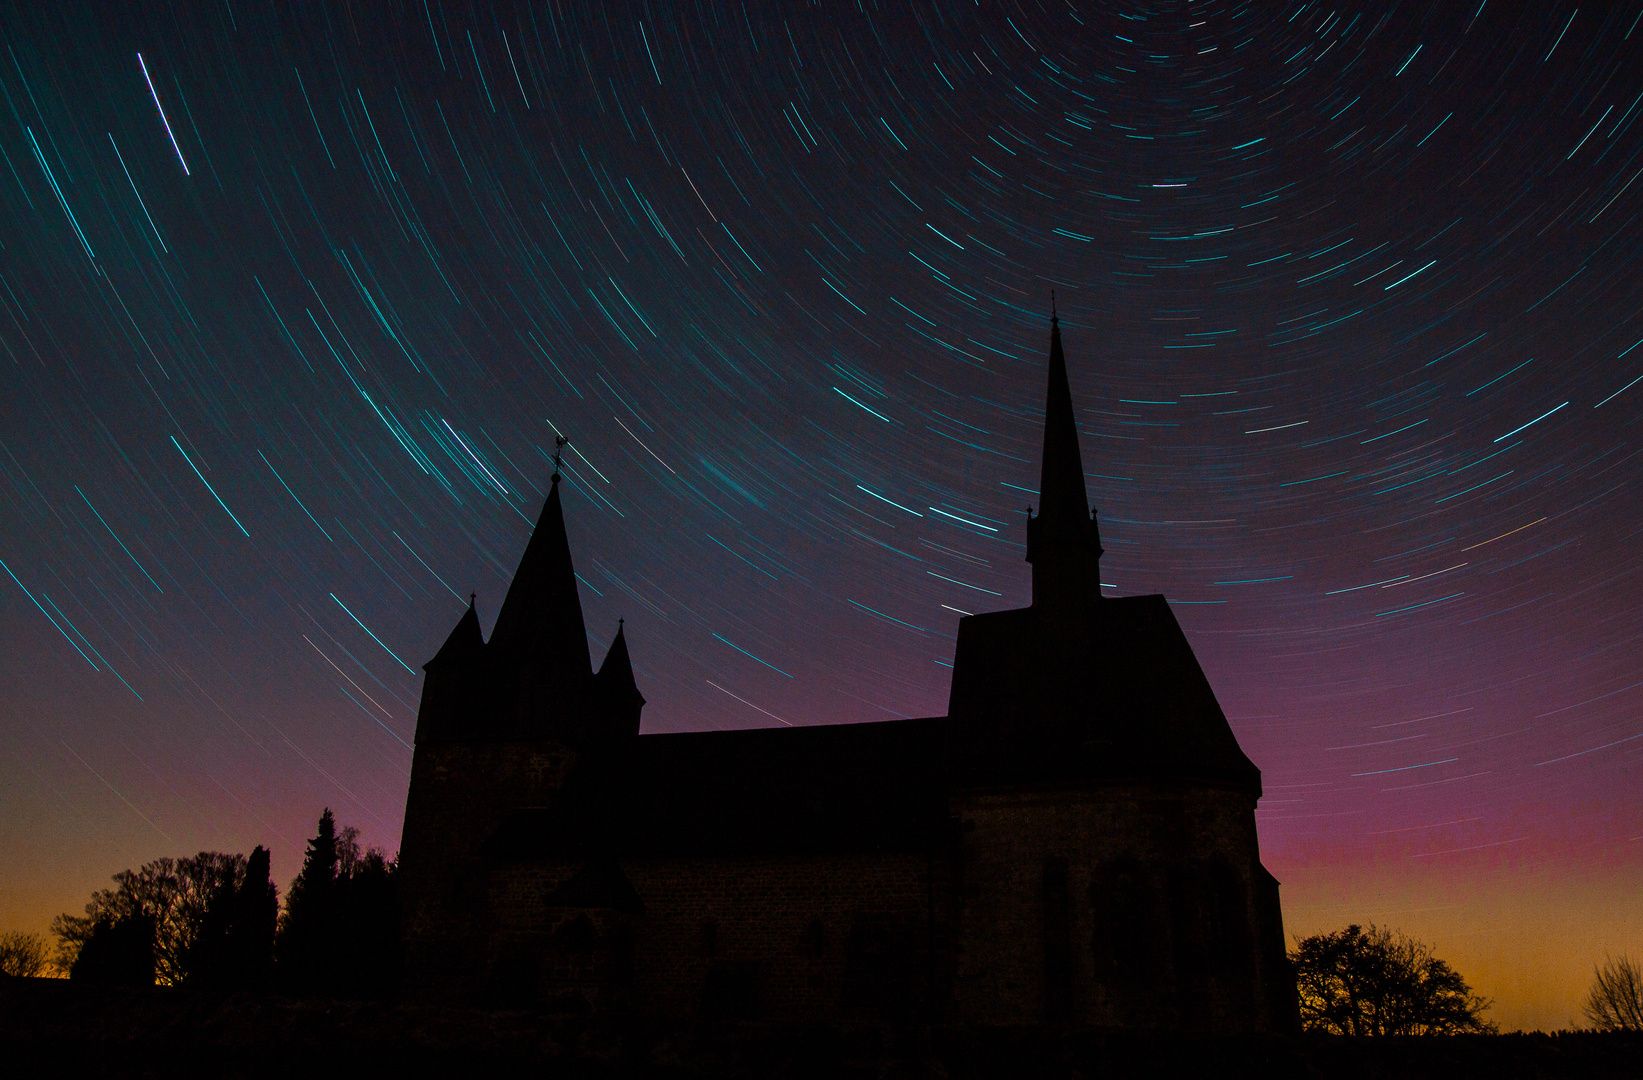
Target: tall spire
x: 1062, y: 542
x: 539, y: 631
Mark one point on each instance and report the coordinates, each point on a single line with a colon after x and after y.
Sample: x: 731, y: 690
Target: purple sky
x: 294, y: 304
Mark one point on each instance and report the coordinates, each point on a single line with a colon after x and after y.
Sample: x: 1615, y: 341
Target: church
x: 1072, y: 845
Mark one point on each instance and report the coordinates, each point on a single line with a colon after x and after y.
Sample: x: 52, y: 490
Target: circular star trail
x: 296, y: 299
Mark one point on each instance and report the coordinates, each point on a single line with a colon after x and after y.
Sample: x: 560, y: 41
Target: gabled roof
x: 886, y: 786
x: 1117, y: 678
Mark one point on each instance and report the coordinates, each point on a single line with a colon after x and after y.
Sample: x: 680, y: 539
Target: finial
x: 559, y: 443
x: 1055, y: 320
x: 619, y: 622
x: 471, y: 598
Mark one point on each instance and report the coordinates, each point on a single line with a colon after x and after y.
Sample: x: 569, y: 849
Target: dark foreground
x: 54, y: 1027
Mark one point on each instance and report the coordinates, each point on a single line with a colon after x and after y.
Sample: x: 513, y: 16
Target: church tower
x: 502, y: 723
x: 1105, y: 798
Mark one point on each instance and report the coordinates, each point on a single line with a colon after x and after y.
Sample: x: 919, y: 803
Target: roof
x: 1076, y: 691
x: 831, y: 788
x: 1115, y: 678
x: 1125, y: 702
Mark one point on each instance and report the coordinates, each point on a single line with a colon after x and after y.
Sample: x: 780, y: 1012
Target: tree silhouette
x: 172, y: 895
x: 1380, y: 982
x: 234, y: 948
x: 23, y: 955
x: 1616, y: 999
x: 368, y: 917
x: 256, y: 914
x: 306, y: 945
x: 118, y: 951
x: 339, y: 935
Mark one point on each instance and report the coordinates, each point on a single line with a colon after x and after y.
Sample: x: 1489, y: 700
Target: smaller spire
x: 465, y: 643
x: 616, y: 673
x: 618, y: 688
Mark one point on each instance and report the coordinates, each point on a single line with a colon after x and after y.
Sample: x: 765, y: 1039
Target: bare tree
x: 1616, y: 1000
x: 23, y: 954
x: 1381, y: 982
x: 174, y: 893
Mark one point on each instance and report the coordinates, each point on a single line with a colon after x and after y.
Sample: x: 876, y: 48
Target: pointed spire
x: 540, y: 625
x: 617, y: 687
x: 1062, y: 542
x: 1063, y: 506
x: 452, y: 685
x: 616, y: 673
x: 464, y: 645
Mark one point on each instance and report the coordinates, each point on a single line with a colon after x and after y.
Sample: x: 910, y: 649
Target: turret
x: 453, y: 682
x: 618, y: 690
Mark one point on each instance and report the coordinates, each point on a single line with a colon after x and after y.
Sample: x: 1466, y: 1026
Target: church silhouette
x: 1073, y: 844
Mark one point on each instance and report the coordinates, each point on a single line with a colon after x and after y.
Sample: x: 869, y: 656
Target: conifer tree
x: 233, y: 948
x: 256, y: 914
x: 339, y: 935
x: 306, y: 945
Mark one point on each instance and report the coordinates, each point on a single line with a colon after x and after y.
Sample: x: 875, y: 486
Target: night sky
x: 294, y: 299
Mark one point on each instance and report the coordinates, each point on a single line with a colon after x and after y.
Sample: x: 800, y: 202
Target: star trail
x: 296, y: 299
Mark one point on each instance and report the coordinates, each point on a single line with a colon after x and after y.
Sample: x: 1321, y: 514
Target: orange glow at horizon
x: 1525, y: 933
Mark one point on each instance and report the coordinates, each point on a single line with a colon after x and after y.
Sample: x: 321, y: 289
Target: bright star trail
x: 1351, y: 306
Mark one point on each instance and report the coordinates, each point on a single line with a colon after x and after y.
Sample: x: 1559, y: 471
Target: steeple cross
x: 559, y: 443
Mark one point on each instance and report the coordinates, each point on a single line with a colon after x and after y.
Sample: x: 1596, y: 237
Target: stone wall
x: 459, y: 795
x: 1129, y: 905
x: 1139, y: 906
x: 800, y: 937
x: 1132, y: 906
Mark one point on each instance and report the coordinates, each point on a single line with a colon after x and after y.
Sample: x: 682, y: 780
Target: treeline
x: 214, y: 921
x: 1382, y: 982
